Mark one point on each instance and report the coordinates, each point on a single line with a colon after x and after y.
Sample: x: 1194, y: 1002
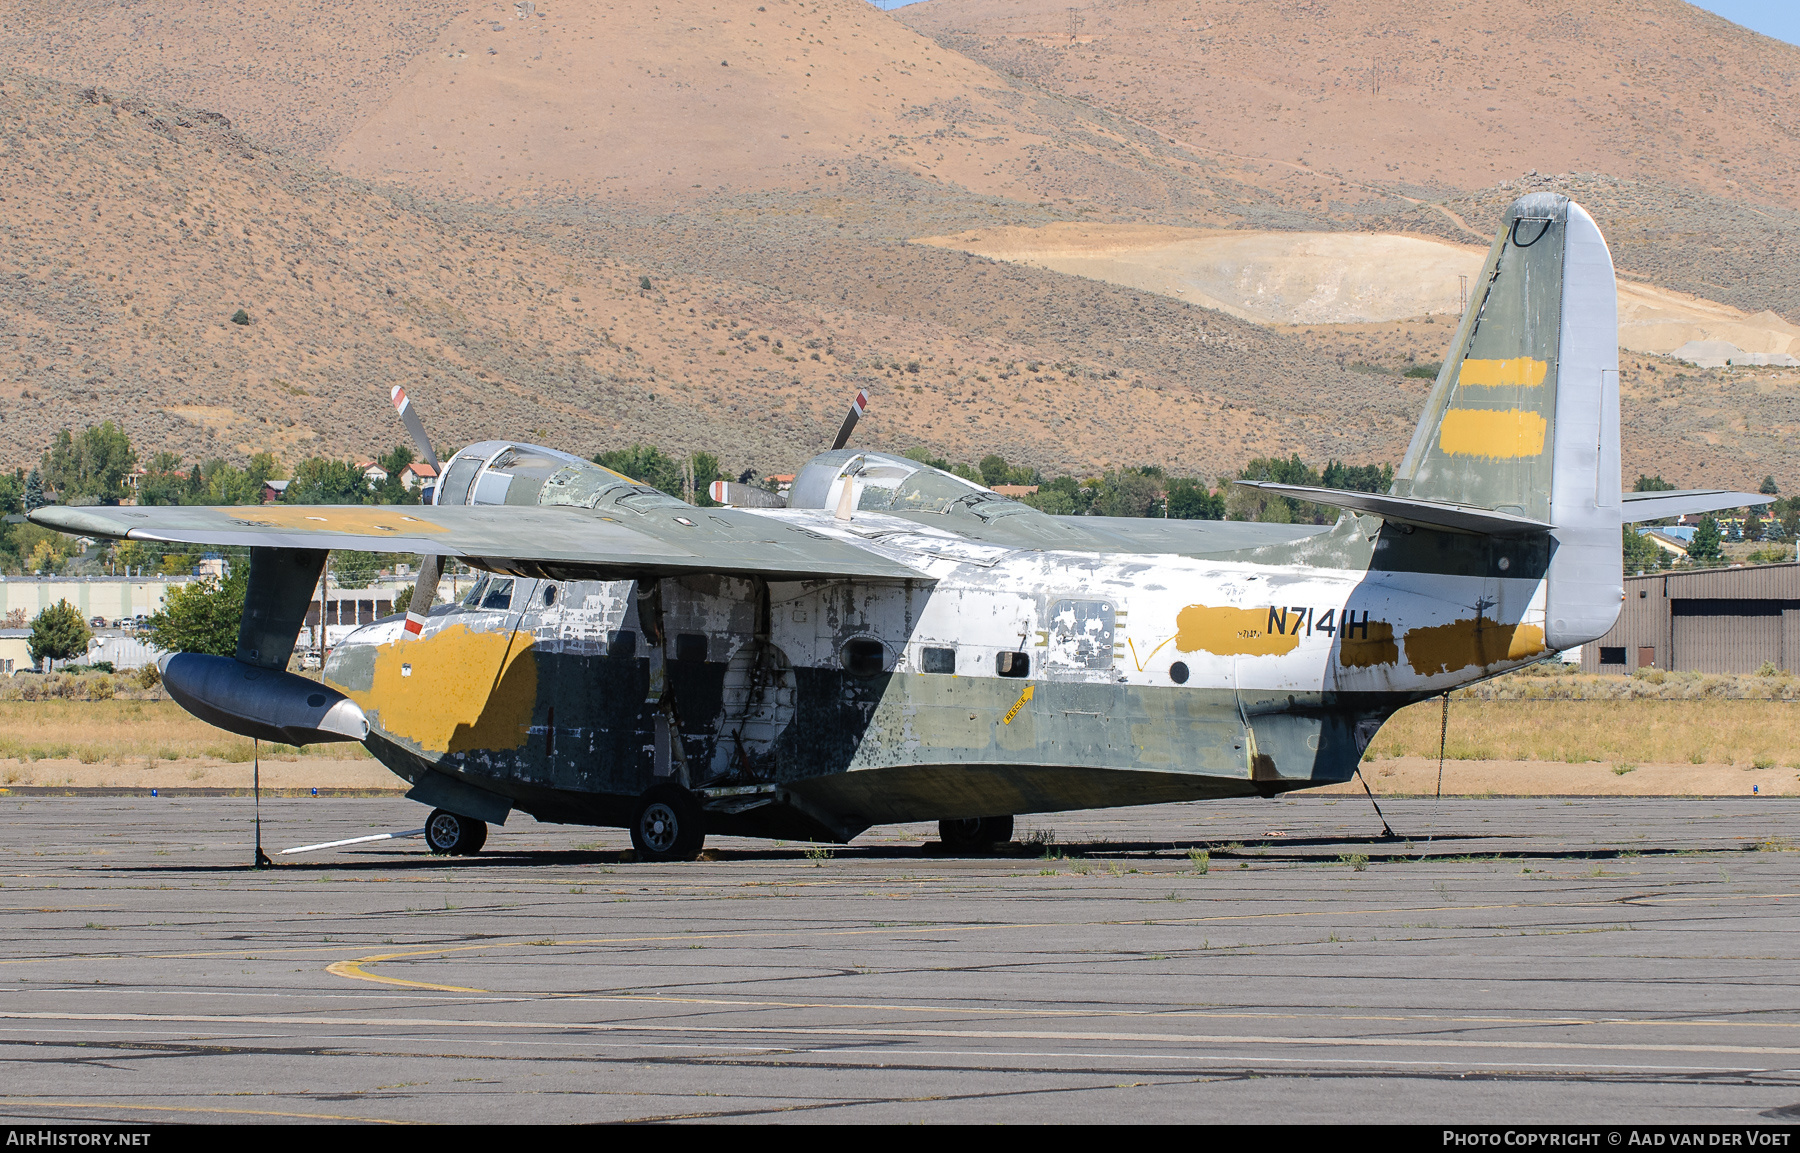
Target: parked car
x: 97, y: 622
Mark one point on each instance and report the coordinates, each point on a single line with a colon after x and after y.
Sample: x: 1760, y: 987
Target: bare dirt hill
x: 1312, y: 278
x: 1438, y: 94
x: 502, y: 99
x: 135, y: 230
x: 295, y: 76
x: 496, y: 315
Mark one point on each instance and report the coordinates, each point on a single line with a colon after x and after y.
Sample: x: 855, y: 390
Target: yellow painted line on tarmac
x: 354, y: 967
x: 28, y: 1103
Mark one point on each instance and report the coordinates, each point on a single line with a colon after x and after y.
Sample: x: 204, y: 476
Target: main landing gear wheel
x: 448, y: 834
x: 975, y: 834
x: 667, y: 825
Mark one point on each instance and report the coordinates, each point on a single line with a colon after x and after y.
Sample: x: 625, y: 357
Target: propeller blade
x: 415, y: 426
x: 424, y: 595
x: 425, y: 588
x: 856, y: 410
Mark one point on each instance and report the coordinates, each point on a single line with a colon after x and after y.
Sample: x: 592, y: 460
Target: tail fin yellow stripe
x: 1522, y: 371
x: 1493, y: 433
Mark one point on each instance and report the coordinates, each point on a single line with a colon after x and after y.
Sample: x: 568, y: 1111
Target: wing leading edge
x: 562, y: 541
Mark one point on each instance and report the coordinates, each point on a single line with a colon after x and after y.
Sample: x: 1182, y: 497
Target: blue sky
x: 1777, y: 18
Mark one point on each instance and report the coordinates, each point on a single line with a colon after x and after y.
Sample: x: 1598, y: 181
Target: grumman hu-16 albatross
x: 893, y: 643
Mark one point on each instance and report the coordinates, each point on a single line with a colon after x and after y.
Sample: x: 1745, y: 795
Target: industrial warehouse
x: 1731, y: 620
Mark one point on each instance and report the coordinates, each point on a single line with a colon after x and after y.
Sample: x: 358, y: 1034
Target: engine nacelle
x: 882, y: 481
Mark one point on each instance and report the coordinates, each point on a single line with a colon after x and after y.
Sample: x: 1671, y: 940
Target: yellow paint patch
x: 1357, y: 651
x: 350, y: 518
x: 1495, y: 433
x: 1476, y: 641
x: 458, y: 698
x: 1230, y: 632
x: 1522, y: 372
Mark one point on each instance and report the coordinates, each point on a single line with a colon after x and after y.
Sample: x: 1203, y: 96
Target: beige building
x: 15, y: 651
x: 114, y: 598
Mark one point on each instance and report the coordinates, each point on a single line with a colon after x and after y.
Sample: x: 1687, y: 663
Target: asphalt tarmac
x: 1558, y: 960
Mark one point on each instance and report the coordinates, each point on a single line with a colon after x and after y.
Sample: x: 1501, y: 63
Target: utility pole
x: 1075, y: 22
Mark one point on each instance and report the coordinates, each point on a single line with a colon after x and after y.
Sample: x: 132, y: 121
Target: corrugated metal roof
x: 1763, y: 581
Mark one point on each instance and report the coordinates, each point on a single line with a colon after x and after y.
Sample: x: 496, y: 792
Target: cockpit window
x: 472, y: 598
x: 499, y: 594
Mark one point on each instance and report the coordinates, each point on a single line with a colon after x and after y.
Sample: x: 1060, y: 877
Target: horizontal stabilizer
x: 1642, y: 506
x: 1409, y: 510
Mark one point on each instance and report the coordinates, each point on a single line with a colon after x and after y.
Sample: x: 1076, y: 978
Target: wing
x: 561, y: 542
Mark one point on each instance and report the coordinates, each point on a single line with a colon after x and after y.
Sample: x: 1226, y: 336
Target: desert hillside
x: 137, y: 230
x: 469, y: 199
x: 298, y: 77
x: 1438, y: 95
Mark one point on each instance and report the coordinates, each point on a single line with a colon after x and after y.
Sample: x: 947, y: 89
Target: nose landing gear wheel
x: 975, y: 834
x: 667, y: 825
x: 448, y: 834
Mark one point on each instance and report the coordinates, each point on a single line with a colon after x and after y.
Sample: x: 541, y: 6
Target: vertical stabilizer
x: 1524, y: 418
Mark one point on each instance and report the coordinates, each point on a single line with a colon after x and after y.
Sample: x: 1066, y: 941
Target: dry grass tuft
x: 122, y: 731
x: 1631, y: 731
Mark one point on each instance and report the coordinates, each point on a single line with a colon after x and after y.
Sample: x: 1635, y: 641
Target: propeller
x: 856, y: 410
x: 741, y: 494
x: 425, y: 588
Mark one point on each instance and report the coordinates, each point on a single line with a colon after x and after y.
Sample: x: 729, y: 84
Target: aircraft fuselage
x: 1005, y: 680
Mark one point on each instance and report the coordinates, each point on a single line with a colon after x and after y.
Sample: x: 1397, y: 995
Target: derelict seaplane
x: 894, y: 643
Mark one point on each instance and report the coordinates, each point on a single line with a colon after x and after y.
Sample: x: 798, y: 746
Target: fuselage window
x: 690, y: 647
x: 1012, y: 664
x: 864, y: 657
x: 935, y: 660
x: 549, y: 595
x: 624, y: 644
x: 499, y: 594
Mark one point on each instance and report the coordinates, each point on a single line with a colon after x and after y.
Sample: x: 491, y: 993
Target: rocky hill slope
x: 1441, y: 95
x: 135, y: 230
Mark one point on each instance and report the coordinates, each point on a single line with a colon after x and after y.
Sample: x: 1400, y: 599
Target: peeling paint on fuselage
x: 1470, y: 643
x: 865, y: 735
